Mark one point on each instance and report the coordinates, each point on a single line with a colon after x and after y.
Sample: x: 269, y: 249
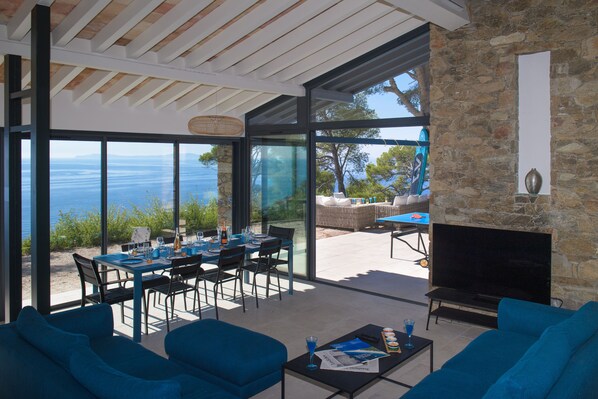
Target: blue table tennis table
x: 414, y: 222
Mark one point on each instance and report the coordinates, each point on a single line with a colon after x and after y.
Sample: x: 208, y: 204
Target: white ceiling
x: 224, y: 56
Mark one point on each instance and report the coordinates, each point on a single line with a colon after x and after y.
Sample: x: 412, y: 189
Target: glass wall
x: 140, y: 190
x: 75, y: 213
x: 278, y: 189
x: 26, y: 218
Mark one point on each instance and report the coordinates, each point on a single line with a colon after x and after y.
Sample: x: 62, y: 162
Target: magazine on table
x: 333, y: 359
x: 359, y: 350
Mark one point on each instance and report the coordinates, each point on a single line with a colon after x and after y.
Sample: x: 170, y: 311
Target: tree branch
x: 393, y: 88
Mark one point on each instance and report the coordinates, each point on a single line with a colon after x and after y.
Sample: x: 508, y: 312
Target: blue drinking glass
x: 409, y: 331
x: 311, y: 346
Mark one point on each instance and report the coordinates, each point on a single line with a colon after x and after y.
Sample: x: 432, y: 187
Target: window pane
x: 75, y: 201
x: 140, y: 190
x: 206, y: 186
x: 283, y: 111
x: 26, y: 218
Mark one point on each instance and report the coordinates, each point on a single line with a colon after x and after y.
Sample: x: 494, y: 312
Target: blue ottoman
x: 239, y: 360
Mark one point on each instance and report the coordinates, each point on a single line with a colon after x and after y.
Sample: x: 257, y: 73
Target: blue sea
x: 132, y: 181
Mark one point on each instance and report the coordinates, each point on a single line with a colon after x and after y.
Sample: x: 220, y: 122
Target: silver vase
x: 533, y: 181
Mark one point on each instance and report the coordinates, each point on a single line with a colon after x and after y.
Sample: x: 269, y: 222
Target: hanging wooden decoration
x: 216, y: 125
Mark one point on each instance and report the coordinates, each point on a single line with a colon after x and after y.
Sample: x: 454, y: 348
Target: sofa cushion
x: 339, y: 195
x: 400, y: 200
x: 107, y: 383
x: 534, y: 375
x: 53, y: 342
x: 473, y: 360
x: 329, y: 201
x: 581, y: 326
x: 412, y: 199
x: 445, y: 384
x: 343, y: 201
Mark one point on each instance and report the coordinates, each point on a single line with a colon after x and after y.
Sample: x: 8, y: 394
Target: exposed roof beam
x: 25, y: 73
x: 345, y: 44
x: 243, y: 26
x: 278, y: 28
x: 203, y: 28
x: 169, y: 22
x: 171, y: 94
x: 195, y: 96
x: 20, y: 23
x: 91, y: 84
x: 63, y: 77
x: 311, y: 28
x: 337, y: 32
x: 147, y: 91
x: 76, y: 20
x: 235, y: 101
x: 443, y: 13
x: 361, y: 49
x: 120, y: 88
x: 122, y: 23
x: 252, y: 104
x: 213, y: 100
x: 78, y: 53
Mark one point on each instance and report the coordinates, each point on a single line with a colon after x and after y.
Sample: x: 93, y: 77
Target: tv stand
x: 486, y: 303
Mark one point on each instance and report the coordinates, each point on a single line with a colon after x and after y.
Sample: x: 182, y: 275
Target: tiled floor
x: 328, y: 312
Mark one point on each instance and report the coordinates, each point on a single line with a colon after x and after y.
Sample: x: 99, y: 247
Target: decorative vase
x: 533, y: 181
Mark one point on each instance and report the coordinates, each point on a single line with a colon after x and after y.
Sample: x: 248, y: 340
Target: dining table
x: 138, y: 266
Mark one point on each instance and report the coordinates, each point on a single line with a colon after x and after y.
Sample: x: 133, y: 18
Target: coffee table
x: 351, y: 382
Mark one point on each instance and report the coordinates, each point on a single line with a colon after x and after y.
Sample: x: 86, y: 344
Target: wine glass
x: 132, y: 249
x: 311, y: 346
x: 160, y: 241
x: 409, y: 330
x: 199, y: 236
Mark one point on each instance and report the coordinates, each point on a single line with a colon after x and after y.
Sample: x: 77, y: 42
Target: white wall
x: 534, y: 118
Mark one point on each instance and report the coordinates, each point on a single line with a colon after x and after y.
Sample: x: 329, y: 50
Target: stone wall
x: 224, y: 156
x: 474, y: 128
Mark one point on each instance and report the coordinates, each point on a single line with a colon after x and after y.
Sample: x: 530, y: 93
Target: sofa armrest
x: 95, y: 321
x: 528, y: 318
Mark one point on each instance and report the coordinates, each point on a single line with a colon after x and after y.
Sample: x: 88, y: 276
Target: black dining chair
x: 89, y: 273
x: 183, y: 270
x: 265, y: 263
x: 229, y: 268
x: 284, y: 233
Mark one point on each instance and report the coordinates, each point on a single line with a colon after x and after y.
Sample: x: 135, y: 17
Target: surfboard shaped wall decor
x: 420, y: 160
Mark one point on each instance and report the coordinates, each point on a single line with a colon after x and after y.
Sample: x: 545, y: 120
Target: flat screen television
x: 492, y: 263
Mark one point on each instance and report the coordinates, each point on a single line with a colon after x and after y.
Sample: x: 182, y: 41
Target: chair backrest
x: 270, y: 248
x: 141, y: 234
x: 210, y: 233
x: 231, y: 258
x: 286, y: 233
x: 125, y: 247
x: 186, y: 268
x: 88, y: 273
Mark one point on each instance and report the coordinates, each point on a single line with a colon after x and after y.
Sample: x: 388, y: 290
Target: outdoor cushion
x: 535, y: 373
x: 339, y: 195
x: 329, y: 201
x: 320, y: 199
x: 412, y: 199
x: 107, y: 383
x: 53, y: 342
x: 343, y: 201
x: 400, y: 200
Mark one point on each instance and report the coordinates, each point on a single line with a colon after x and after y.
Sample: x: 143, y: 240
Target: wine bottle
x: 177, y: 240
x: 224, y: 237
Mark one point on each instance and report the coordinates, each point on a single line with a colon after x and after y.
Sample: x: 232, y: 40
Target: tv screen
x: 492, y: 262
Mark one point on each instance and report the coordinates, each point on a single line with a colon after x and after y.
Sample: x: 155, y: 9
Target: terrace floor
x: 328, y: 312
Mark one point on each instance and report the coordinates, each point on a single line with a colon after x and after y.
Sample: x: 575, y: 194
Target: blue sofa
x: 537, y: 352
x: 74, y: 354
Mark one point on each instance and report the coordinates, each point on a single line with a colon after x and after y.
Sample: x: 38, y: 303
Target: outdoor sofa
x: 74, y: 354
x: 537, y: 351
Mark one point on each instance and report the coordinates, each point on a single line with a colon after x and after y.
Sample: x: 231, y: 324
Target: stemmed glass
x: 199, y: 236
x: 160, y: 241
x: 409, y: 330
x: 311, y: 346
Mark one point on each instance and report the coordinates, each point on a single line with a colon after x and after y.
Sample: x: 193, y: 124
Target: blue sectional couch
x: 537, y: 352
x: 74, y: 354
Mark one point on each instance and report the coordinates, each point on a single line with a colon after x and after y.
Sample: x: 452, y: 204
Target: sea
x: 75, y: 183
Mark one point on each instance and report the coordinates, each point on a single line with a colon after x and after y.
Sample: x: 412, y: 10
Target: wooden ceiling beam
x: 243, y: 26
x: 91, y: 85
x: 362, y: 18
x: 235, y: 101
x: 252, y: 104
x: 121, y: 88
x: 171, y: 21
x: 445, y: 13
x: 195, y: 96
x: 20, y: 23
x: 147, y: 91
x: 202, y: 29
x: 171, y: 94
x: 63, y: 77
x: 345, y: 44
x: 264, y: 36
x: 122, y: 23
x: 308, y: 30
x: 212, y: 101
x: 76, y: 20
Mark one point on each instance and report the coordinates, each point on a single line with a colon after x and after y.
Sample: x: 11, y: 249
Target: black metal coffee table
x: 351, y: 382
